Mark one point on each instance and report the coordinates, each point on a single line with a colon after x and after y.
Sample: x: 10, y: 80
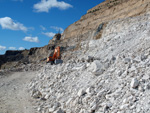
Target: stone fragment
x: 124, y: 101
x: 119, y: 72
x: 132, y: 69
x: 92, y: 44
x: 82, y: 60
x: 81, y: 92
x: 124, y: 106
x: 127, y: 60
x: 46, y: 96
x: 80, y: 67
x: 106, y: 65
x: 39, y: 108
x: 143, y: 57
x: 132, y: 107
x: 90, y: 59
x: 68, y: 102
x: 138, y: 110
x: 112, y: 59
x: 147, y: 86
x: 140, y: 88
x: 86, y: 99
x: 82, y: 111
x: 93, y: 107
x: 59, y: 111
x: 88, y: 64
x: 56, y: 105
x: 134, y: 83
x: 135, y: 61
x: 96, y: 67
x: 36, y: 94
x: 51, y: 110
x: 88, y: 90
x: 146, y: 77
x: 107, y: 106
x: 101, y: 93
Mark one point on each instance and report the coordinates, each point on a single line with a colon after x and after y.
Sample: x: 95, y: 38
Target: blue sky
x: 32, y: 23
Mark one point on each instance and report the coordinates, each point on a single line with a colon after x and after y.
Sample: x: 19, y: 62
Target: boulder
x: 81, y: 92
x: 134, y: 83
x: 96, y: 67
x: 36, y: 94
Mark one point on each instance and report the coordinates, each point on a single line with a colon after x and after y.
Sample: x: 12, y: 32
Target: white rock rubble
x: 120, y: 58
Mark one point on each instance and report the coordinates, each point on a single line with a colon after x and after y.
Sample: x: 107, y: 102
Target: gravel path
x: 14, y: 97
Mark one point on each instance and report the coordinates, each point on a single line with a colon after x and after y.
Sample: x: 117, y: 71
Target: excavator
x: 56, y: 56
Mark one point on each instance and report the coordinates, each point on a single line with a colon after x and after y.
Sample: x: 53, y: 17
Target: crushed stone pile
x: 109, y: 75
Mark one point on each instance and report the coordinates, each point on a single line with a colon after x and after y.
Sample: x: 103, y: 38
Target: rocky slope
x: 90, y: 25
x: 108, y: 75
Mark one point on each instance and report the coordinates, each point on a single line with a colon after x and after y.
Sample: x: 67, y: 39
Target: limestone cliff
x: 104, y: 12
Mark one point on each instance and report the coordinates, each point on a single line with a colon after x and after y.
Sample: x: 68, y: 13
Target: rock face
x: 123, y: 53
x: 55, y: 39
x: 13, y: 59
x: 103, y: 13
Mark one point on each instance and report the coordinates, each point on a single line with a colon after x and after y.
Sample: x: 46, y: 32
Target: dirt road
x: 14, y: 97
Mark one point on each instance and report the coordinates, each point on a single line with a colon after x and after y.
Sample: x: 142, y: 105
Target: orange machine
x: 55, y: 56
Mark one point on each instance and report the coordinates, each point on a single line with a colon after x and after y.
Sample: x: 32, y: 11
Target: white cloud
x: 31, y: 39
x: 46, y: 5
x: 12, y: 48
x: 58, y: 28
x: 49, y: 34
x: 8, y: 23
x: 2, y: 47
x: 42, y: 27
x: 21, y: 48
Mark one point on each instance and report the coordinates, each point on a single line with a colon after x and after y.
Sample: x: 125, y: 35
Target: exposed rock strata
x: 105, y: 12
